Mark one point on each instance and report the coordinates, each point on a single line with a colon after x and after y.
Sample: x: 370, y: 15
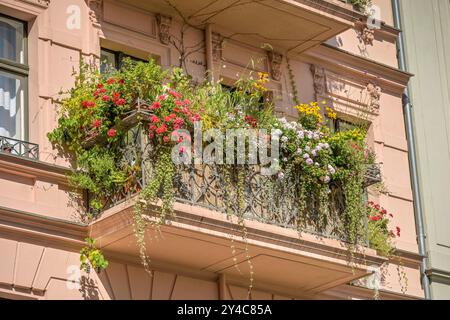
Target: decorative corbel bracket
x: 95, y: 11
x: 374, y: 92
x: 275, y: 59
x: 164, y: 23
x: 217, y: 46
x: 319, y: 80
x: 365, y: 34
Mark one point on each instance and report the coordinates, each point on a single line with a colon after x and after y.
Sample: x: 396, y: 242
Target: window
x: 339, y: 125
x: 13, y: 78
x: 113, y: 59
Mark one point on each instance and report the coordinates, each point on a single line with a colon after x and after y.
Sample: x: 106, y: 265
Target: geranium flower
x: 115, y: 96
x: 398, y: 231
x: 97, y: 123
x: 105, y: 98
x: 167, y: 119
x: 121, y: 81
x: 162, y: 97
x: 166, y: 139
x: 100, y: 85
x: 120, y: 102
x: 155, y: 105
x: 154, y: 119
x: 161, y: 129
x: 111, y: 81
x: 112, y: 133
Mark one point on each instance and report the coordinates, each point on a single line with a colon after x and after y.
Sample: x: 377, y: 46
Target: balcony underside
x: 284, y: 24
x: 200, y: 239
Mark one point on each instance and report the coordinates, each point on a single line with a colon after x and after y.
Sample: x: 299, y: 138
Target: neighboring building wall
x: 342, y: 79
x: 426, y: 27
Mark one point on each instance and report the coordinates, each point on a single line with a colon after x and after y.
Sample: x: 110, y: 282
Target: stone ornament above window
x: 164, y: 23
x: 275, y: 59
x: 319, y: 80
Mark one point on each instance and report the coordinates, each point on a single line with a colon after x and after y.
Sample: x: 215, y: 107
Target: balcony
x: 258, y: 22
x: 19, y: 148
x: 288, y: 250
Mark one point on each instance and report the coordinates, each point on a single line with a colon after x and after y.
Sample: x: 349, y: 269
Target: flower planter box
x: 140, y: 112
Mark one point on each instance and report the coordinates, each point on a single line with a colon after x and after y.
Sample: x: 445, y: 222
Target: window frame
x: 118, y: 57
x: 20, y: 70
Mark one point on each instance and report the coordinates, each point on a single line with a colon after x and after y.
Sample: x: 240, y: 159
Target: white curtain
x: 10, y: 85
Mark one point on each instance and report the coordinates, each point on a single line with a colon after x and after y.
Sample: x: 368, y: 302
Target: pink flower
x: 112, y: 132
x: 178, y: 103
x: 175, y: 94
x: 187, y: 102
x: 162, y: 97
x: 182, y: 149
x: 166, y: 139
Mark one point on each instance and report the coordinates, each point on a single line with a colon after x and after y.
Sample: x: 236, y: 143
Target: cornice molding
x: 24, y: 166
x: 388, y: 78
x: 39, y: 3
x: 42, y: 228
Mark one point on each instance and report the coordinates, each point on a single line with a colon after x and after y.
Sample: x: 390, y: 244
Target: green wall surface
x: 426, y: 27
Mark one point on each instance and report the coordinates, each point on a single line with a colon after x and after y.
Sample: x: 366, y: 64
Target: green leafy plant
x: 90, y: 256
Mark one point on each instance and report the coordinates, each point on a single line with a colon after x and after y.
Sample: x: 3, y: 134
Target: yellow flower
x: 331, y: 113
x: 312, y: 109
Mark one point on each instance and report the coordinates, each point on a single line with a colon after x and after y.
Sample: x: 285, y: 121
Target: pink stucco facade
x: 41, y: 231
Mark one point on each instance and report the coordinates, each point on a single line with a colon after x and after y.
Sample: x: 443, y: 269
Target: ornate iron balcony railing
x: 19, y: 148
x: 265, y: 198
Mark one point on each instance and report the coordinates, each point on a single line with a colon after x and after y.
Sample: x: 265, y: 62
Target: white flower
x: 310, y: 135
x: 285, y: 159
x: 317, y: 164
x: 326, y: 179
x: 301, y: 134
x: 316, y: 136
x: 309, y: 161
x: 307, y: 148
x: 331, y: 170
x: 299, y: 151
x: 284, y: 139
x: 314, y: 153
x: 306, y: 156
x: 280, y: 175
x: 326, y: 145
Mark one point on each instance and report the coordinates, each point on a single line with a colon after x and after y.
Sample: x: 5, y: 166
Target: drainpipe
x: 419, y: 217
x: 209, y: 50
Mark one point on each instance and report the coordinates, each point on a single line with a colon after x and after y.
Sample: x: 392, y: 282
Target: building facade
x: 426, y: 55
x: 323, y: 50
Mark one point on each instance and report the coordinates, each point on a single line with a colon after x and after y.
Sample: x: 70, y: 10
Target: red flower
x: 161, y: 129
x: 102, y: 90
x: 375, y: 218
x: 88, y: 104
x: 97, y: 123
x: 187, y: 101
x: 162, y: 97
x: 152, y: 127
x: 155, y: 105
x: 112, y: 132
x: 178, y: 103
x: 120, y: 102
x: 84, y: 104
x: 111, y: 81
x: 175, y: 94
x: 121, y: 81
x: 172, y: 115
x: 105, y: 98
x: 251, y: 121
x: 398, y: 231
x: 166, y: 139
x: 167, y: 119
x: 154, y: 119
x: 176, y: 110
x: 182, y: 149
x: 100, y: 85
x: 115, y: 95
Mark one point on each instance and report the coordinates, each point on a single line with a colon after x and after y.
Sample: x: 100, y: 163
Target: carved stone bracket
x: 96, y: 11
x: 275, y: 59
x: 366, y: 35
x: 217, y: 46
x: 374, y: 92
x: 164, y: 23
x: 319, y: 80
